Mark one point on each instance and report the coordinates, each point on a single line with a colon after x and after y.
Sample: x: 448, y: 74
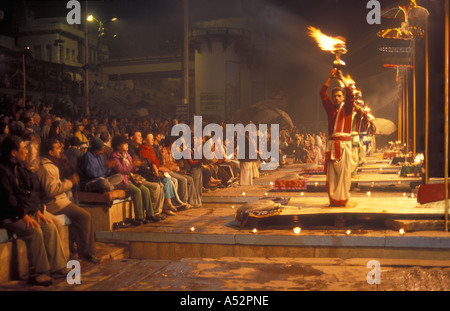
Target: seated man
x: 57, y: 202
x: 94, y: 170
x: 22, y: 213
x: 156, y: 189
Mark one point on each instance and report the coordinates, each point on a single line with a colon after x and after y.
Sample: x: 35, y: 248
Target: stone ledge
x: 387, y: 241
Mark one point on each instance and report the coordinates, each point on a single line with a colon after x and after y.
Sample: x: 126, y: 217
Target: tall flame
x: 325, y: 42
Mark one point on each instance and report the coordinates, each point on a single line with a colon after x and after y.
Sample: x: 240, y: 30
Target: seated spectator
x: 90, y: 132
x: 22, y: 213
x: 4, y: 131
x: 74, y: 153
x: 145, y: 170
x: 185, y: 182
x: 147, y: 152
x: 96, y: 173
x: 66, y: 132
x: 37, y: 124
x: 46, y: 126
x: 196, y: 171
x: 57, y: 202
x: 140, y: 194
x: 78, y: 132
x: 84, y: 148
x: 107, y: 150
x: 32, y: 163
x: 114, y: 127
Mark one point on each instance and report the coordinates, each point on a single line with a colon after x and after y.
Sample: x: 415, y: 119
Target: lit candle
x: 297, y: 230
x: 348, y: 232
x: 243, y: 193
x: 192, y: 229
x: 302, y: 194
x: 401, y: 231
x: 369, y: 194
x: 255, y: 230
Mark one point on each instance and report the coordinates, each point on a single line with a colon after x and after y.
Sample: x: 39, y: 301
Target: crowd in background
x: 303, y: 147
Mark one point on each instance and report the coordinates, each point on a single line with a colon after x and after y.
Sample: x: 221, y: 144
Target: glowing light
x: 325, y: 42
x: 297, y: 230
x: 419, y: 158
x: 369, y: 193
x: 401, y: 231
x: 255, y: 230
x: 316, y: 184
x: 302, y: 194
x: 266, y: 194
x: 404, y: 194
x: 271, y: 183
x: 243, y: 193
x: 192, y: 229
x: 90, y: 18
x: 348, y: 232
x: 232, y: 206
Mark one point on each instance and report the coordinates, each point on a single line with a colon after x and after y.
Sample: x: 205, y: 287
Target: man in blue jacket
x: 94, y: 171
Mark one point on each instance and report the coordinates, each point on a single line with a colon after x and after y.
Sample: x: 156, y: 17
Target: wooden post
x: 447, y: 42
x: 427, y: 102
x: 186, y: 57
x: 414, y: 95
x: 86, y: 61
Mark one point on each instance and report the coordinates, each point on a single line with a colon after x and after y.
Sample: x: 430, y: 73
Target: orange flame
x: 347, y: 80
x: 325, y: 42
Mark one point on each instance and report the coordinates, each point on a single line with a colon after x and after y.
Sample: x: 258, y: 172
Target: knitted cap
x: 97, y: 144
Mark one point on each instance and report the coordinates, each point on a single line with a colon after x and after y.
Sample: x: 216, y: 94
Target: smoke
x: 295, y: 64
x: 298, y: 66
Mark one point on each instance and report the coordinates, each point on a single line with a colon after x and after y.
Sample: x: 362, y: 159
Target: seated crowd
x: 303, y: 147
x: 46, y: 160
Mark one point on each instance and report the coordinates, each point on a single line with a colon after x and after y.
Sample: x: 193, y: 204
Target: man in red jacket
x: 339, y: 146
